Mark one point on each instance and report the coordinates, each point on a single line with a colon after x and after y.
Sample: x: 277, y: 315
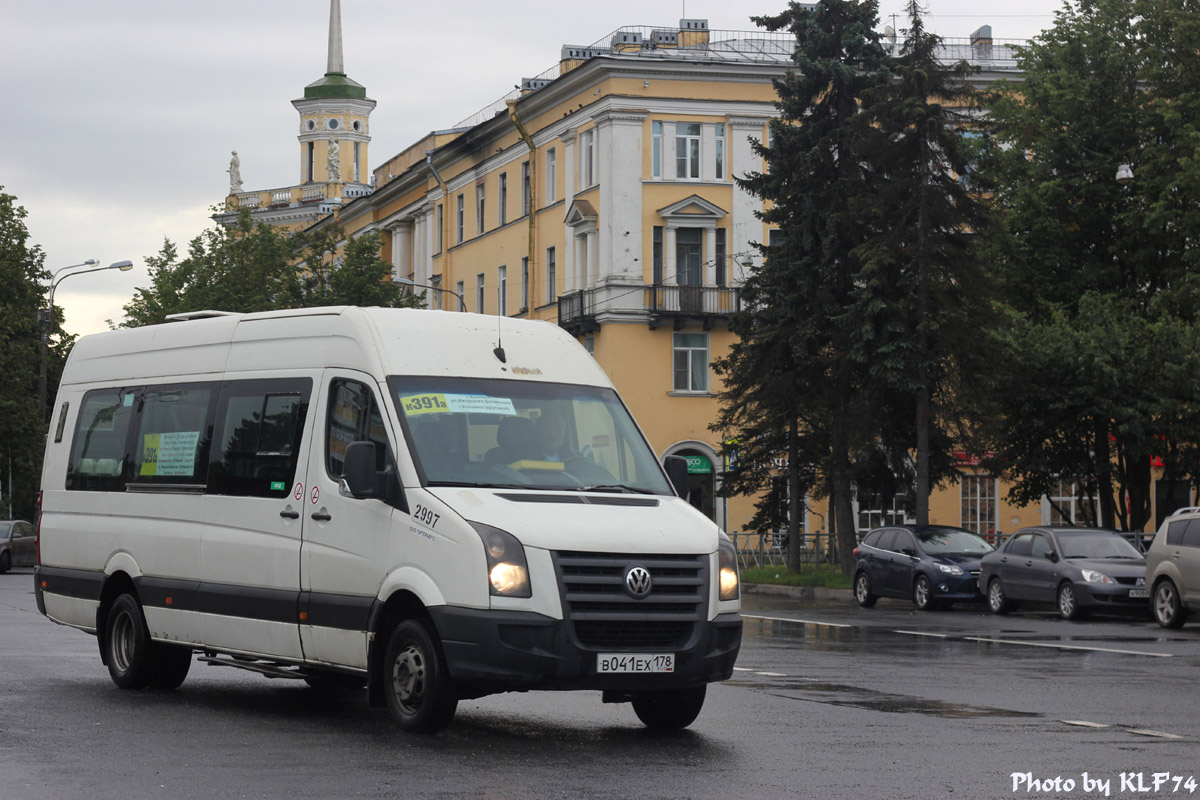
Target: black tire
x: 669, y: 710
x: 170, y: 665
x: 334, y: 682
x: 5, y: 562
x: 923, y: 594
x: 862, y: 590
x: 1167, y: 607
x: 1068, y: 602
x: 127, y: 644
x: 416, y: 683
x: 997, y: 600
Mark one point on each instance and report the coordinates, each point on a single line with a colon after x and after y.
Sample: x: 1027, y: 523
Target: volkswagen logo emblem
x: 638, y: 582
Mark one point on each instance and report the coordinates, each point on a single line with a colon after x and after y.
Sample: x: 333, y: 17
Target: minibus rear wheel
x: 127, y: 644
x: 669, y: 710
x: 416, y: 683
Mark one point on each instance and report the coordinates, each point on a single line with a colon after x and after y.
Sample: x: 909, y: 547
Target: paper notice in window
x: 168, y: 455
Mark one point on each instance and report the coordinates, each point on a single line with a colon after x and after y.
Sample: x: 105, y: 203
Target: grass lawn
x: 830, y: 577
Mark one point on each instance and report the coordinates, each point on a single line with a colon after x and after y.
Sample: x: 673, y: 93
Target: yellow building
x: 600, y: 196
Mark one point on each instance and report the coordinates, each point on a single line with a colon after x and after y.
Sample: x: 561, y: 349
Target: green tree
x: 922, y: 289
x: 794, y: 368
x: 1096, y: 274
x: 22, y: 296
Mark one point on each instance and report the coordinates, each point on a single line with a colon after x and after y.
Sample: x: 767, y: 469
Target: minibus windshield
x: 524, y: 434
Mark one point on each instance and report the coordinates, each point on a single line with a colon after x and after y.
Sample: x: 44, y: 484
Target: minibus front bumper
x: 516, y: 650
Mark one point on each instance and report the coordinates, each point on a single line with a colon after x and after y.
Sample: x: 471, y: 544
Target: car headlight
x: 952, y: 569
x: 1094, y: 576
x: 508, y: 574
x: 728, y: 569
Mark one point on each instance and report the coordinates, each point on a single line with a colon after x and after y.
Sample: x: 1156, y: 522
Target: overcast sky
x: 122, y: 113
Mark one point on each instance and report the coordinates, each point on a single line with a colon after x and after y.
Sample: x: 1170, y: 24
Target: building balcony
x: 581, y: 312
x: 294, y: 196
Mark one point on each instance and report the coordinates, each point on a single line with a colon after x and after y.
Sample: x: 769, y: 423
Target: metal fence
x: 770, y: 549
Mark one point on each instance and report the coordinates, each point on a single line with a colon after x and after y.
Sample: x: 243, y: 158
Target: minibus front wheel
x: 416, y: 682
x: 671, y: 709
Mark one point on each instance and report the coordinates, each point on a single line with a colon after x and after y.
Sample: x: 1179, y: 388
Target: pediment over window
x: 581, y: 212
x: 694, y: 207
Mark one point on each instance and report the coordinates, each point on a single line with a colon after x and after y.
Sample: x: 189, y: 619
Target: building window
x: 502, y: 292
x: 525, y: 284
x: 691, y: 362
x: 551, y: 293
x: 311, y: 160
x: 459, y: 221
x: 689, y: 268
x: 657, y: 255
x: 436, y: 283
x: 526, y: 189
x: 551, y: 175
x: 978, y: 496
x: 459, y: 288
x: 720, y: 151
x: 687, y: 150
x: 587, y: 157
x: 441, y: 221
x: 720, y: 257
x: 480, y: 197
x: 479, y: 298
x: 1066, y: 506
x: 358, y: 162
x: 503, y: 200
x: 589, y: 344
x: 656, y: 149
x: 875, y: 509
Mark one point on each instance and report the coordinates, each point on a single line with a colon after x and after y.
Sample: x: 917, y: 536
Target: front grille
x: 604, y: 615
x: 1130, y: 581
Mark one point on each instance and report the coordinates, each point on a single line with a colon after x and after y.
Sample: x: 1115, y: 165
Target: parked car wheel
x: 923, y: 594
x: 862, y: 590
x: 127, y: 644
x: 998, y: 602
x: 5, y: 562
x: 1168, y: 609
x: 669, y: 710
x: 1068, y: 603
x: 417, y: 686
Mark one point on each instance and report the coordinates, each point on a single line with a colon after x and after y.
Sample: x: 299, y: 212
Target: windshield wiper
x: 614, y: 487
x: 483, y: 484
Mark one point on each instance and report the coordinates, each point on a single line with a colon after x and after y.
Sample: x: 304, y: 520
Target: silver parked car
x: 18, y: 544
x: 1173, y: 568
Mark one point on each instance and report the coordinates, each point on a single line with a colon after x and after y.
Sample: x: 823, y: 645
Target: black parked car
x: 935, y: 565
x: 1079, y: 569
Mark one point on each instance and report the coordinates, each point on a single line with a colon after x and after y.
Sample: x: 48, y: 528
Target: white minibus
x: 433, y: 505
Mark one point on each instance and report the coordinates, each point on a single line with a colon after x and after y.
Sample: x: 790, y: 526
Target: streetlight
x: 48, y: 314
x: 462, y: 304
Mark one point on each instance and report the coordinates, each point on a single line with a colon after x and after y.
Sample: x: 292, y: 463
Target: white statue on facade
x: 235, y: 174
x: 333, y: 163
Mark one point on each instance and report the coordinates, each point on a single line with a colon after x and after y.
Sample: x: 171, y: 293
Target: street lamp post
x: 48, y: 314
x: 409, y: 282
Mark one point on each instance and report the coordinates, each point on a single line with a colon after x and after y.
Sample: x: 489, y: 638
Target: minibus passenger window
x: 260, y: 427
x: 171, y: 446
x: 99, y: 458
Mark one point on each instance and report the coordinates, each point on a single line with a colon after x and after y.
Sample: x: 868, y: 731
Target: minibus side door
x: 348, y: 543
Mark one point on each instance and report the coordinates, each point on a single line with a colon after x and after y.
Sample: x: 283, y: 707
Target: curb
x: 814, y: 593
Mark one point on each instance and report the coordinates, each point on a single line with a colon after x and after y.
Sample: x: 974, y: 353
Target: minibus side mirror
x: 677, y: 471
x: 359, y: 469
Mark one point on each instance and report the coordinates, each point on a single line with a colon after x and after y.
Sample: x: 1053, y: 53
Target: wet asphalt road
x: 829, y: 701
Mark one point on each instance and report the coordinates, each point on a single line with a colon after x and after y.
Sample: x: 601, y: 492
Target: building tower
x: 334, y: 123
x: 334, y: 134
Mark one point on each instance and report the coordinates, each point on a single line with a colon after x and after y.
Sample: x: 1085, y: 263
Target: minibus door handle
x: 287, y: 513
x: 321, y: 516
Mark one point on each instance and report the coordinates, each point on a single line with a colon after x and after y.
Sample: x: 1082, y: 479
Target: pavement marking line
x: 1155, y: 734
x: 742, y: 669
x: 774, y: 674
x: 922, y: 633
x: 1070, y: 647
x: 1080, y: 723
x: 800, y: 621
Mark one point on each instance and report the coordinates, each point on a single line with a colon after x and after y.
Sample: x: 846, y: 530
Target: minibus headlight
x: 508, y: 574
x: 728, y: 569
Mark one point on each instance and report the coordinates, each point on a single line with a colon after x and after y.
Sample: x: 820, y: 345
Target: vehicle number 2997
x: 423, y: 514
